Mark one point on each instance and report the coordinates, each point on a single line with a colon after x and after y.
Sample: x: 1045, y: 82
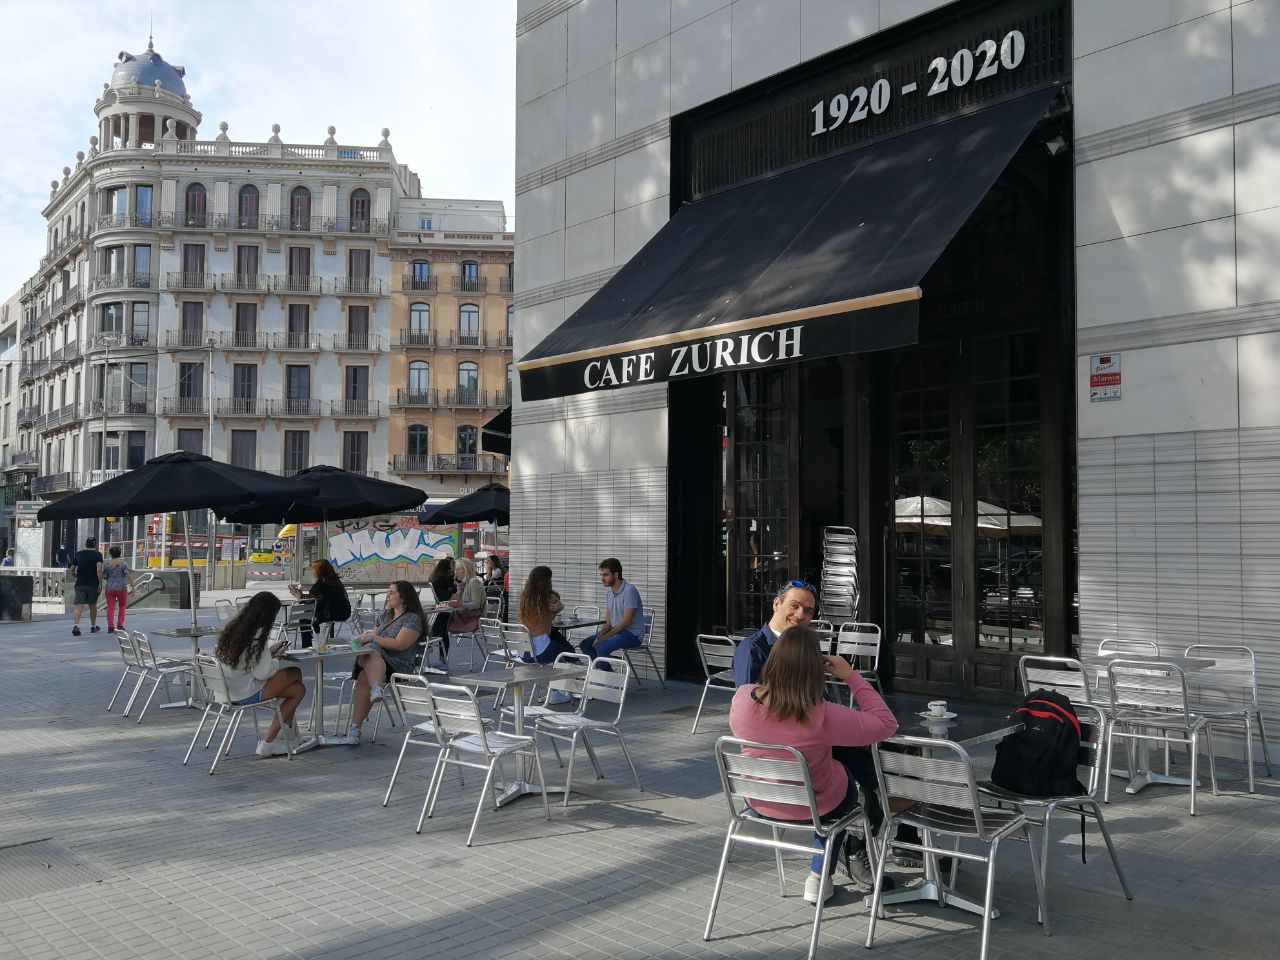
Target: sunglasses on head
x: 802, y: 585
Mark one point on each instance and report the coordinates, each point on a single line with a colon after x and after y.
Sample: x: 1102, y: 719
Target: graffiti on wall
x: 383, y: 547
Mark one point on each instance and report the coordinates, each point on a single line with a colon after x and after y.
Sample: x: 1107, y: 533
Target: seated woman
x: 254, y: 675
x: 332, y: 603
x: 467, y: 605
x: 395, y: 639
x: 787, y: 708
x: 539, y: 605
x: 444, y: 586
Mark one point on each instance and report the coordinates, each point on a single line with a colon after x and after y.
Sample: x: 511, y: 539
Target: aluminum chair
x: 492, y: 608
x: 409, y: 691
x: 132, y: 668
x: 938, y: 776
x: 1227, y: 693
x: 603, y: 685
x: 242, y: 602
x: 716, y: 654
x: 218, y: 700
x: 491, y: 646
x: 584, y: 611
x: 1149, y: 703
x: 1063, y: 675
x: 781, y: 777
x: 1140, y: 648
x: 859, y: 643
x: 159, y: 669
x: 1040, y: 810
x: 291, y: 626
x: 646, y: 647
x: 461, y: 733
x: 224, y: 610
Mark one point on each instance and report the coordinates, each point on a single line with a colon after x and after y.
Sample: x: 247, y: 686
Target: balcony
x: 355, y: 409
x: 63, y: 247
x: 443, y: 463
x: 191, y: 220
x: 466, y: 340
x: 294, y: 408
x: 72, y: 296
x: 357, y: 343
x: 67, y: 413
x: 125, y: 281
x: 507, y: 285
x: 467, y: 397
x: 421, y: 284
x: 188, y: 339
x: 417, y: 398
x: 65, y: 354
x: 185, y: 280
x: 55, y: 483
x: 417, y: 338
x: 296, y: 341
x: 119, y: 407
x: 243, y: 340
x: 24, y: 458
x: 242, y: 407
x: 27, y: 415
x: 501, y: 398
x: 94, y: 477
x: 118, y: 340
x: 470, y: 284
x: 26, y: 373
x: 502, y: 341
x: 297, y: 284
x: 120, y: 221
x: 357, y: 287
x: 40, y: 367
x: 245, y: 283
x: 184, y: 407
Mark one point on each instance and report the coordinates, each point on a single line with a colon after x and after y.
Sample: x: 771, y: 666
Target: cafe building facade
x: 991, y: 283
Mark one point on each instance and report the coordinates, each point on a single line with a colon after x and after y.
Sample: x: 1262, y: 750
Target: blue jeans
x: 624, y: 638
x: 844, y: 806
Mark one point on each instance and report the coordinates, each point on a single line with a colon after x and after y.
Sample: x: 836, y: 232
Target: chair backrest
x: 1092, y: 744
x: 770, y: 772
x: 716, y: 653
x: 586, y: 611
x: 570, y: 685
x: 242, y: 602
x: 1061, y: 674
x: 409, y: 691
x: 492, y: 608
x: 823, y: 626
x: 146, y: 655
x: 427, y: 595
x: 515, y: 641
x: 212, y: 680
x: 860, y: 643
x: 1231, y: 681
x: 607, y: 686
x: 454, y: 713
x: 1145, y: 685
x: 300, y: 610
x: 1140, y: 648
x: 942, y: 776
x: 646, y: 630
x: 224, y: 610
x: 128, y: 652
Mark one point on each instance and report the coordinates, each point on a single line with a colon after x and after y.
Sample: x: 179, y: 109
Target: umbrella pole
x: 191, y: 570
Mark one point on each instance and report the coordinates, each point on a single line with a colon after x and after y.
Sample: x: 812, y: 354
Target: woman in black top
x: 332, y: 603
x: 443, y: 584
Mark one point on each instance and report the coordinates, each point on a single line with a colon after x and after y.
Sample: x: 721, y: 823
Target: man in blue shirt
x: 624, y: 623
x: 794, y: 606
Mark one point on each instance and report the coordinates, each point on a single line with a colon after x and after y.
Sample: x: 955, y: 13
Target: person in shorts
x: 87, y: 567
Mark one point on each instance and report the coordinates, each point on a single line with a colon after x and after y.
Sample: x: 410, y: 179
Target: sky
x: 439, y: 73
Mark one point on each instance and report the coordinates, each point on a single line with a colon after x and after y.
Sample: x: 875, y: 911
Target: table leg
x: 1143, y: 776
x: 195, y: 693
x: 522, y: 787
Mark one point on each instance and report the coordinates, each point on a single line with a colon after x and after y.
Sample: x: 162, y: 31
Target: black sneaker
x: 857, y: 862
x: 95, y: 628
x: 75, y: 631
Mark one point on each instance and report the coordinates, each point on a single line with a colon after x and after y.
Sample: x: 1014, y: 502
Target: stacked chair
x: 838, y: 601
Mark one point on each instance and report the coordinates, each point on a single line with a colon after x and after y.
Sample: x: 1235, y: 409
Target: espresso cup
x: 938, y: 708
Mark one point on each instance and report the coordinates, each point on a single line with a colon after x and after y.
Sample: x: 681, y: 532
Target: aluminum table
x: 317, y: 658
x: 195, y: 696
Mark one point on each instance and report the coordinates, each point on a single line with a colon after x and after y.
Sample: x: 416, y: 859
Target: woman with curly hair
x: 253, y: 674
x: 394, y: 641
x: 539, y: 605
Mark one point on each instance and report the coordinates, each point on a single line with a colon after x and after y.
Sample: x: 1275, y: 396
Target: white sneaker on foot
x: 273, y: 748
x: 353, y: 735
x: 811, y: 888
x: 375, y: 693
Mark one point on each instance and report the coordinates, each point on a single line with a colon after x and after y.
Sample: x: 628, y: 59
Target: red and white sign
x: 1104, y: 377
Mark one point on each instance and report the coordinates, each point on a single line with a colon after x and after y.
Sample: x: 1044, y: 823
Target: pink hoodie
x: 830, y: 725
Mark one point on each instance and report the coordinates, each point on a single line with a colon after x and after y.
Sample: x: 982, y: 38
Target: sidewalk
x: 110, y: 848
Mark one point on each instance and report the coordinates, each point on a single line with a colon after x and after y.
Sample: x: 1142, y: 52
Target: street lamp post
x: 107, y: 341
x: 211, y: 521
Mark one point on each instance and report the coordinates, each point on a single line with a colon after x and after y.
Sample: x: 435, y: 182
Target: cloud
x: 439, y: 73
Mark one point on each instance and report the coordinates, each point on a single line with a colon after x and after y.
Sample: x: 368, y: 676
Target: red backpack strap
x: 1052, y: 709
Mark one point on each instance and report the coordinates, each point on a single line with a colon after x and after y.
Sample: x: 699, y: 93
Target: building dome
x: 145, y: 69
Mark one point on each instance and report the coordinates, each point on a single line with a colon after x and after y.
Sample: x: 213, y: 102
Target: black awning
x: 820, y: 261
x: 495, y: 436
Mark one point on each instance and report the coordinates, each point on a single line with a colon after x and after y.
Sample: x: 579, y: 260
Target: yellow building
x: 450, y: 368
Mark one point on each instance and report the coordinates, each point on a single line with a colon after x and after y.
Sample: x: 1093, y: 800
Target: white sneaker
x: 811, y: 888
x: 273, y: 748
x: 375, y: 694
x: 353, y: 735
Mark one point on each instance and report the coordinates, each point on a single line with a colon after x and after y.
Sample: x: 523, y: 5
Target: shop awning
x: 495, y: 436
x: 820, y: 261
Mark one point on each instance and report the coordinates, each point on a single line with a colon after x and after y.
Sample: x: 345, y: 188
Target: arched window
x: 419, y: 333
x: 299, y: 209
x: 470, y: 277
x: 468, y: 438
x: 469, y: 325
x: 421, y: 279
x: 416, y: 441
x: 419, y: 377
x: 358, y: 210
x: 194, y: 207
x: 247, y: 207
x: 468, y: 382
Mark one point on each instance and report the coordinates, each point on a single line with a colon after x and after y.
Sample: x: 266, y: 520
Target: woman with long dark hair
x: 787, y: 708
x: 539, y: 605
x: 253, y: 674
x: 394, y: 641
x: 332, y: 603
x: 444, y: 587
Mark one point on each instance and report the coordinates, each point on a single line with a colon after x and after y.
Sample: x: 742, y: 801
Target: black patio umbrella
x: 495, y: 436
x: 491, y: 502
x: 177, y: 482
x: 339, y: 495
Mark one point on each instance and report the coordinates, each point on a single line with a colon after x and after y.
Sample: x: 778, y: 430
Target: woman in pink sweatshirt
x: 787, y: 708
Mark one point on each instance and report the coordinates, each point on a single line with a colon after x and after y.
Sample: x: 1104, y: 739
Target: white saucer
x: 929, y: 716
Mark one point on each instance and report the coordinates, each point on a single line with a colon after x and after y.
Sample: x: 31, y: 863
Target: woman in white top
x: 253, y: 674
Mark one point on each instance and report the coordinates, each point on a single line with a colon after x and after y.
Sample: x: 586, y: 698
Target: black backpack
x: 1040, y: 759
